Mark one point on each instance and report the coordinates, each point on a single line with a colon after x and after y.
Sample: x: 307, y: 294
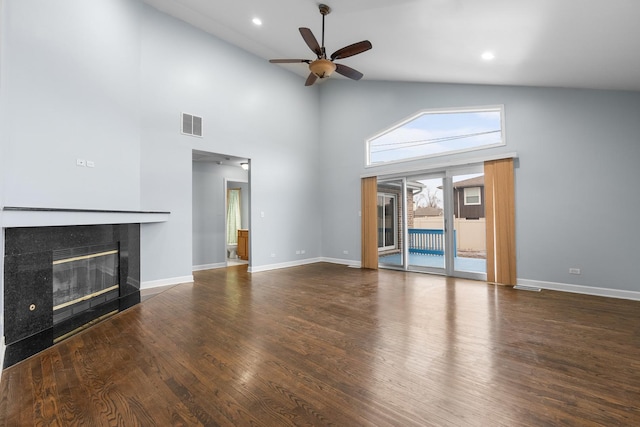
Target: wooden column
x: 369, y: 223
x: 500, y: 217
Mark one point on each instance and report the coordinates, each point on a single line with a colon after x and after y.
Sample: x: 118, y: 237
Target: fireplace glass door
x: 84, y: 278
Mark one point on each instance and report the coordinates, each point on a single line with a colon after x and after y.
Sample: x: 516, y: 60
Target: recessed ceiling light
x: 488, y: 56
x: 257, y: 21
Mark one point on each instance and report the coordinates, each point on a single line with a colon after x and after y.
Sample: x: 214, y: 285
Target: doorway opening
x: 216, y: 180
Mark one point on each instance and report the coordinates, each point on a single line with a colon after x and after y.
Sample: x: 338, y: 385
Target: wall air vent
x: 191, y: 125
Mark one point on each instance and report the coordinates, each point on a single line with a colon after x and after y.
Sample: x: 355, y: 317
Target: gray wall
x: 577, y: 169
x: 71, y: 91
x: 107, y: 80
x: 244, y: 102
x: 209, y: 212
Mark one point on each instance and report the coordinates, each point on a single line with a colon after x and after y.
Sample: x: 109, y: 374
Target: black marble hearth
x: 29, y: 276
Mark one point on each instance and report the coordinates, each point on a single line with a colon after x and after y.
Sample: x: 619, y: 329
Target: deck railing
x: 428, y: 241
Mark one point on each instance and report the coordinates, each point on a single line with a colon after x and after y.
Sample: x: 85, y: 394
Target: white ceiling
x: 561, y: 43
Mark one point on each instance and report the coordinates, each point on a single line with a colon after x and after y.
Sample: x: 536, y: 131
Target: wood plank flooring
x: 330, y: 345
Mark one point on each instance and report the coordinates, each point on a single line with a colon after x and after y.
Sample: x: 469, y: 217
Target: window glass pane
x: 472, y: 196
x: 426, y: 224
x: 390, y: 217
x: 435, y: 133
x: 389, y: 220
x: 469, y: 224
x: 380, y: 221
x: 387, y: 212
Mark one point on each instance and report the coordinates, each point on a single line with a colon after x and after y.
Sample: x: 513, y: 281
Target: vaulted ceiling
x: 558, y: 43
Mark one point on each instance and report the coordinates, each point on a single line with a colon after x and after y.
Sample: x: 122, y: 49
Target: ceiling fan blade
x: 288, y: 61
x: 311, y: 79
x: 348, y: 72
x: 352, y: 49
x: 311, y: 41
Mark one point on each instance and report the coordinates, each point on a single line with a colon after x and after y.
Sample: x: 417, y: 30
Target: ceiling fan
x: 322, y: 67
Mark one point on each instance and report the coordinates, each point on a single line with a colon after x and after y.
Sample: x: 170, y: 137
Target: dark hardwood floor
x: 330, y: 345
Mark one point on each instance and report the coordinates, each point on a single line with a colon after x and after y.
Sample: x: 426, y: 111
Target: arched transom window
x: 432, y: 133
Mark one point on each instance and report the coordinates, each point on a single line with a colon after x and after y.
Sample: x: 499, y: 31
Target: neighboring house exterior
x: 468, y: 198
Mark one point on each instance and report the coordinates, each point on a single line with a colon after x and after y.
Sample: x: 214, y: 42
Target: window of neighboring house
x: 387, y: 225
x: 472, y: 196
x: 433, y: 133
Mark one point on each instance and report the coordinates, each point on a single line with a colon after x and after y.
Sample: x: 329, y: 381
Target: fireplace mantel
x: 13, y: 216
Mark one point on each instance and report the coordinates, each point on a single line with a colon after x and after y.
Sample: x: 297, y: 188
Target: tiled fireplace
x: 61, y: 279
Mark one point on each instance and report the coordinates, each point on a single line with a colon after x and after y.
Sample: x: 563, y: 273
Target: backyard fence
x: 470, y: 233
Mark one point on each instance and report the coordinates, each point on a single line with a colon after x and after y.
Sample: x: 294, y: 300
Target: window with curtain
x: 234, y: 220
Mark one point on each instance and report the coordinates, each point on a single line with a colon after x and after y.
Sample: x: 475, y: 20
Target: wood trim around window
x: 369, y: 223
x: 500, y: 221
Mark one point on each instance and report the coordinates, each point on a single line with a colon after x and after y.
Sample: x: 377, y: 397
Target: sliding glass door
x: 434, y: 222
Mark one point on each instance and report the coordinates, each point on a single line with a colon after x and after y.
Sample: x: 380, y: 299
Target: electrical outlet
x: 273, y: 255
x: 297, y: 252
x: 303, y: 252
x: 91, y: 164
x: 574, y: 271
x: 81, y: 162
x: 345, y: 252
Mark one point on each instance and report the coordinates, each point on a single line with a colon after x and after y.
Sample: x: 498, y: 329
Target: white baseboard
x: 166, y: 282
x: 580, y: 289
x: 270, y: 267
x: 208, y: 266
x: 350, y: 263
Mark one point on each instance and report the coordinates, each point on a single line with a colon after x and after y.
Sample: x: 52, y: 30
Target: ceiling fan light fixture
x: 322, y: 68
